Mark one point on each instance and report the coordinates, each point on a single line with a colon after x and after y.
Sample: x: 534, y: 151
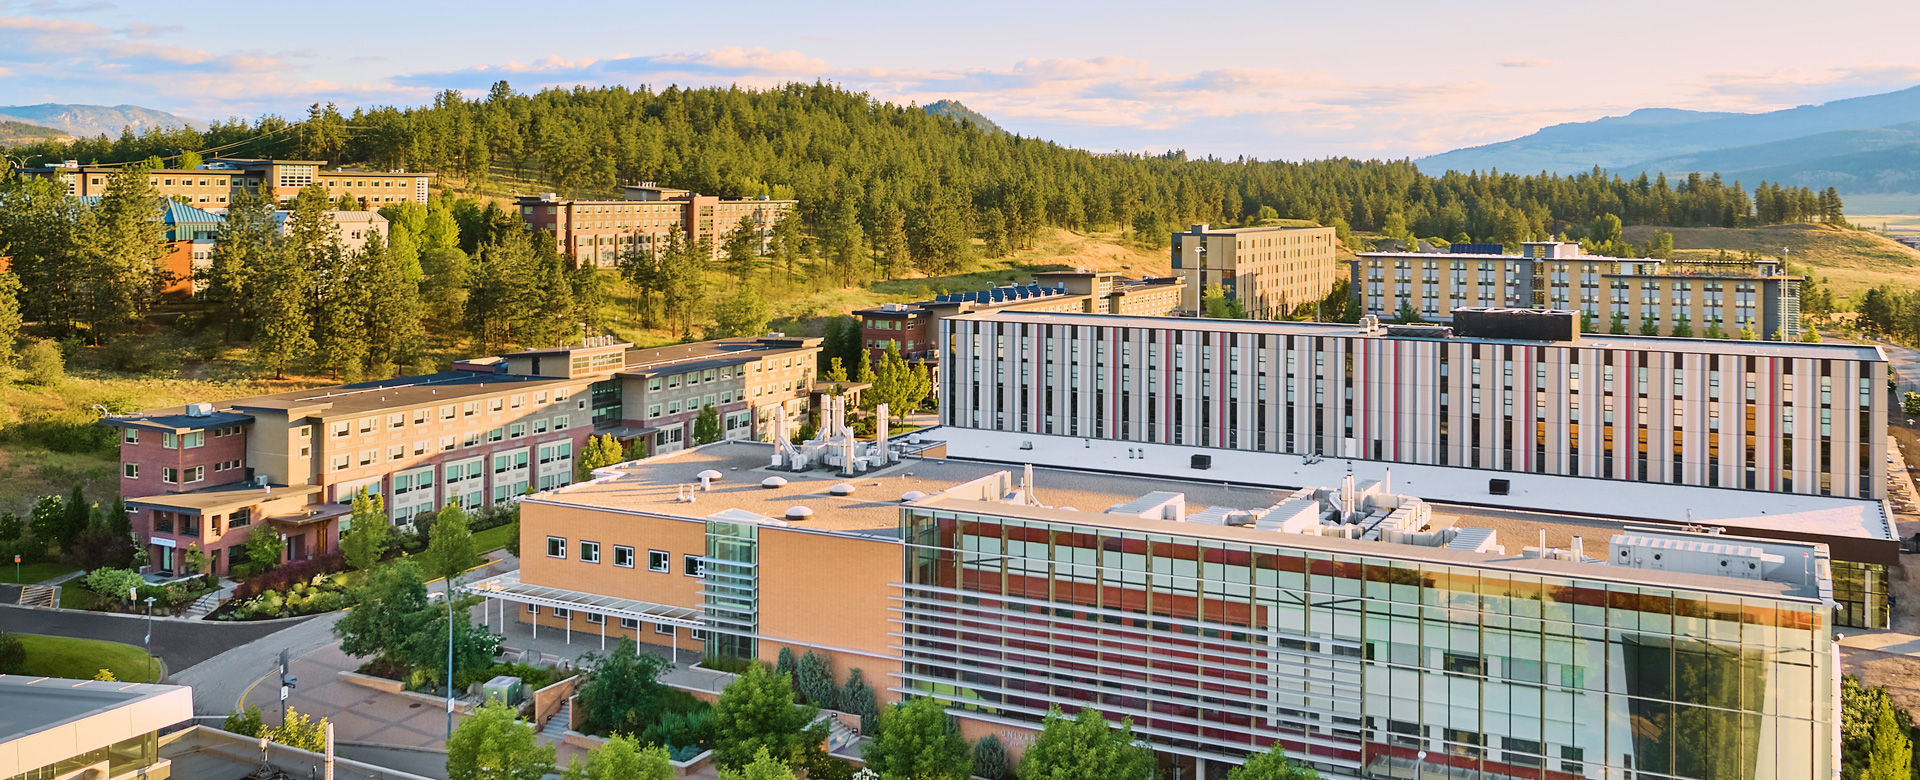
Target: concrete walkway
x: 566, y: 648
x: 220, y: 681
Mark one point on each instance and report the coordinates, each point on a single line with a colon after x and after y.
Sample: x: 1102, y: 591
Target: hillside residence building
x: 1727, y: 296
x: 484, y: 432
x: 1366, y: 632
x: 912, y: 326
x: 1269, y: 270
x: 213, y: 185
x: 596, y: 232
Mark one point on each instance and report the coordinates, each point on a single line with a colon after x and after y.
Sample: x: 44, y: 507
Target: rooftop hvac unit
x: 1201, y: 462
x: 200, y: 410
x: 1499, y: 487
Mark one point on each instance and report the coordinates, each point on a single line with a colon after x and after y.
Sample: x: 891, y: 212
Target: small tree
x: 623, y: 691
x: 1617, y: 325
x: 1892, y: 754
x: 1586, y: 322
x: 918, y: 740
x: 1910, y: 403
x: 244, y: 722
x: 494, y: 744
x: 1713, y: 331
x: 265, y: 548
x: 368, y: 532
x: 815, y: 681
x: 114, y: 582
x: 1086, y: 748
x: 756, y: 717
x: 389, y: 609
x: 622, y: 758
x: 706, y: 426
x: 450, y: 544
x: 1271, y: 765
x: 786, y: 664
x: 990, y: 758
x: 195, y: 559
x: 1810, y: 335
x: 857, y: 697
x: 1682, y: 327
x: 1649, y: 326
x: 600, y: 452
x: 298, y: 730
x: 1747, y: 333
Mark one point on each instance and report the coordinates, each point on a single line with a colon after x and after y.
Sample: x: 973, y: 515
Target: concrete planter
x: 687, y: 768
x: 369, y: 681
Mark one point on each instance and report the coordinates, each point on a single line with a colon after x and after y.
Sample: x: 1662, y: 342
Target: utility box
x: 505, y: 688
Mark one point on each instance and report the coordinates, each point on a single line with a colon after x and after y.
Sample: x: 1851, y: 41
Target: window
x: 693, y: 566
x: 368, y: 456
x: 658, y: 560
x: 595, y: 620
x: 556, y: 547
x: 563, y: 614
x: 663, y: 629
x: 196, y: 474
x: 340, y: 462
x: 696, y: 634
x: 420, y: 417
x: 590, y: 552
x: 340, y: 429
x: 396, y: 452
x: 170, y: 475
x: 560, y: 423
x: 533, y: 609
x: 169, y: 440
x: 470, y: 409
x: 447, y: 443
x: 131, y: 436
x: 397, y: 420
x: 496, y: 404
x: 446, y: 412
x: 623, y: 557
x: 130, y: 470
x: 366, y: 424
x: 516, y: 430
x: 496, y: 435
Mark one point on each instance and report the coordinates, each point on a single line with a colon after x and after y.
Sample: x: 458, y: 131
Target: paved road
x: 219, y: 682
x: 1906, y: 363
x: 181, y: 643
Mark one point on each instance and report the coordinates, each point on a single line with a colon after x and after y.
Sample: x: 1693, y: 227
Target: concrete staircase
x: 839, y: 737
x: 556, y: 727
x: 211, y: 600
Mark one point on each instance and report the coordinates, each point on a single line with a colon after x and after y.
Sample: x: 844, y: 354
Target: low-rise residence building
x: 596, y: 232
x: 912, y: 326
x: 1270, y: 270
x: 214, y: 184
x: 1693, y: 296
x: 487, y: 431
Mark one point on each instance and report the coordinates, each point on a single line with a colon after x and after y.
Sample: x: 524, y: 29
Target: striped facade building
x: 1766, y: 416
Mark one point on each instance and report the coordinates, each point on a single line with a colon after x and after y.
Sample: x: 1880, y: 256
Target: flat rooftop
x: 1792, y: 349
x: 1574, y: 498
x: 660, y: 485
x: 45, y: 720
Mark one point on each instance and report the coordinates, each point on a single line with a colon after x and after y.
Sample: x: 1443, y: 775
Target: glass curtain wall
x: 1358, y: 664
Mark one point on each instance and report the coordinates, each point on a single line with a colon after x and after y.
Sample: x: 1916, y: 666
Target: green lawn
x: 81, y: 659
x: 72, y: 596
x: 492, y: 538
x: 34, y: 572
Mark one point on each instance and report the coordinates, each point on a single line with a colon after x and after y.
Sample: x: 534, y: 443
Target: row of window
x: 623, y: 557
x: 423, y: 415
x: 449, y: 443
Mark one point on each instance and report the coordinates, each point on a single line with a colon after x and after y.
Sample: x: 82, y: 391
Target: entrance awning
x: 508, y: 587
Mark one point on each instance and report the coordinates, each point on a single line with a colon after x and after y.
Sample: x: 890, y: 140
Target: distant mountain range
x: 1858, y: 145
x: 952, y: 109
x: 17, y: 133
x: 89, y: 121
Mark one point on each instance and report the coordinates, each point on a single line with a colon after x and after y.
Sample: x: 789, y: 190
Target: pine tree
x: 393, y: 327
x: 742, y: 247
x: 245, y: 242
x: 282, y: 328
x: 121, y: 245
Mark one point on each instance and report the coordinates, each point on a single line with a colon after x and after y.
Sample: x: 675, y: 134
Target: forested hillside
x: 886, y: 170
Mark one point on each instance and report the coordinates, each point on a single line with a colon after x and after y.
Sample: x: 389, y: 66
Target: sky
x: 1273, y: 79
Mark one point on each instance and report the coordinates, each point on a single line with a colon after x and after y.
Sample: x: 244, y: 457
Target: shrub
x: 286, y: 576
x: 815, y: 681
x: 42, y: 363
x: 691, y: 729
x: 245, y: 722
x: 494, y: 516
x: 114, y: 582
x: 13, y: 653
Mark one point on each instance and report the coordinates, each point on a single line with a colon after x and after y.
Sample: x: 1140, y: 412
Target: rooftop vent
x: 773, y: 482
x: 842, y: 489
x: 796, y: 514
x: 911, y: 496
x: 710, y: 474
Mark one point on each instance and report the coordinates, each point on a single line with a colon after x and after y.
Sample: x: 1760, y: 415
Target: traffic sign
x: 283, y: 692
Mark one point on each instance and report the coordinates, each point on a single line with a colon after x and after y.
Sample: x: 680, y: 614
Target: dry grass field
x: 1850, y: 260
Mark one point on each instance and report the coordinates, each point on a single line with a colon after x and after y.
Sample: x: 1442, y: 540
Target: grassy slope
x: 81, y: 659
x: 1851, y: 260
x: 492, y: 539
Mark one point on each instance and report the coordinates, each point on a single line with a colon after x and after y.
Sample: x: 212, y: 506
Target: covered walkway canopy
x: 508, y: 587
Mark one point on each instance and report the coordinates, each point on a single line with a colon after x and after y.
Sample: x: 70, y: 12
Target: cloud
x: 1527, y: 62
x: 1770, y: 90
x: 52, y: 7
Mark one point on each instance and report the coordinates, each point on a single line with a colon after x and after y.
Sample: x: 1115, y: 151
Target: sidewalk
x: 568, y: 647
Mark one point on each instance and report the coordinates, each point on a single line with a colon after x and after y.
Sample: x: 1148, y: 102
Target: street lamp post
x: 450, y: 656
x: 1419, y: 762
x: 132, y: 595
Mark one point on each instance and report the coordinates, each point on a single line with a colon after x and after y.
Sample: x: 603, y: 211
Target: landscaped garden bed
x: 299, y: 588
x: 107, y: 590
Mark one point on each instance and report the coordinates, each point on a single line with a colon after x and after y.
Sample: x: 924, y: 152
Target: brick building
x: 596, y: 232
x: 484, y: 432
x: 913, y: 326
